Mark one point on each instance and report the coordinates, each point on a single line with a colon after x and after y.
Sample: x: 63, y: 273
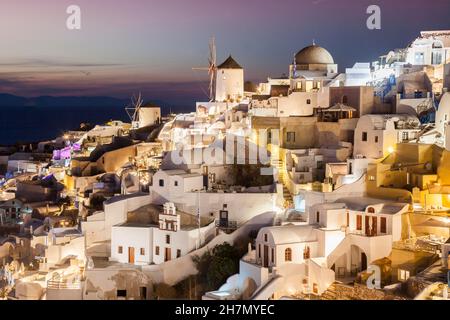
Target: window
x: 371, y: 210
x: 320, y: 165
x: 436, y: 58
x: 161, y: 182
x: 142, y: 252
x: 265, y: 237
x: 383, y: 225
x: 405, y: 136
x: 359, y: 222
x: 259, y: 251
x: 306, y: 253
x: 176, y: 183
x: 364, y: 136
x: 157, y: 251
x: 120, y: 249
x: 348, y: 219
x: 420, y: 58
x: 315, y: 288
x: 224, y: 215
x: 288, y: 255
x: 376, y: 139
x: 272, y: 259
x: 317, y: 216
x: 290, y: 137
x: 121, y: 293
x: 167, y: 239
x: 403, y: 275
x: 308, y: 101
x: 178, y: 253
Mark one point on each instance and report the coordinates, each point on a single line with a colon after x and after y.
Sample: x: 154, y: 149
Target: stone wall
x: 361, y: 292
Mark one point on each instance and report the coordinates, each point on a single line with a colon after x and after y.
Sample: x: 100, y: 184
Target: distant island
x: 9, y: 100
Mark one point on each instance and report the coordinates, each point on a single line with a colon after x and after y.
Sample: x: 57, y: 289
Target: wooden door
x: 363, y: 261
x: 374, y: 226
x: 130, y: 255
x: 266, y: 256
x: 167, y: 255
x: 367, y: 227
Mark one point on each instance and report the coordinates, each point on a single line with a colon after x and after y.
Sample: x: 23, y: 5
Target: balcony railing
x: 230, y: 225
x: 57, y: 284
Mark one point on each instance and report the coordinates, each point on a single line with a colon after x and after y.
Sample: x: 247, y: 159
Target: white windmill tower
x: 133, y: 110
x: 212, y: 69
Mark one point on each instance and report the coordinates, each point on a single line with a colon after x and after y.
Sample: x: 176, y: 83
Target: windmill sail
x: 133, y: 110
x: 212, y: 69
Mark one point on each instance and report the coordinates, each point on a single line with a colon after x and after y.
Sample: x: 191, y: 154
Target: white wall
x: 98, y: 227
x: 296, y: 103
x: 230, y: 82
x: 102, y: 284
x: 241, y: 206
x: 183, y: 240
x: 248, y: 270
x: 135, y: 237
x: 55, y: 253
x: 443, y: 114
x: 149, y: 116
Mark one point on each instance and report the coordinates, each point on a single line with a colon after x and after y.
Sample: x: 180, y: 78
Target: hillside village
x: 314, y: 185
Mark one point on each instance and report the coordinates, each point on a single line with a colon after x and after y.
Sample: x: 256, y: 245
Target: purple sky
x: 151, y: 45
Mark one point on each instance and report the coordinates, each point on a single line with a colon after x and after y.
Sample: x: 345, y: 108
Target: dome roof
x: 314, y: 55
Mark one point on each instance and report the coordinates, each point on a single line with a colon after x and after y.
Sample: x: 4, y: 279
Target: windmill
x: 212, y: 69
x: 133, y: 110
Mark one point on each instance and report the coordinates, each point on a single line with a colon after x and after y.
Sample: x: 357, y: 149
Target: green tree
x: 217, y: 265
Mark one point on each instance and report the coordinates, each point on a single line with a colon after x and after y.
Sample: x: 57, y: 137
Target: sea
x: 34, y: 124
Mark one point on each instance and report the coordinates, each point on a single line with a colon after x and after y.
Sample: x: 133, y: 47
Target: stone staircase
x: 282, y: 177
x: 330, y: 293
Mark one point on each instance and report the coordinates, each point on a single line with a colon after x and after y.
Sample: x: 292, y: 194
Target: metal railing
x: 57, y: 284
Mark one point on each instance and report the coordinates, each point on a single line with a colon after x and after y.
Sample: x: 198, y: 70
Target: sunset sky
x: 152, y: 45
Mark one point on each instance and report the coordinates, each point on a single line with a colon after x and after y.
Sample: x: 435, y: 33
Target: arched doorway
x: 358, y: 260
x: 363, y: 261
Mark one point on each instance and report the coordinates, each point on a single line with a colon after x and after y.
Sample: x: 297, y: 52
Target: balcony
x: 62, y: 284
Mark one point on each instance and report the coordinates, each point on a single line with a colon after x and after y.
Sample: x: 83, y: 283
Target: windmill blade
x: 212, y: 68
x: 133, y: 109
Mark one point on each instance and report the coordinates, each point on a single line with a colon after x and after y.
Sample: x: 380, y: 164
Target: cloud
x: 33, y: 62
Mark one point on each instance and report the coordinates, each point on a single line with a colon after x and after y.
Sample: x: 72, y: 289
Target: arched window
x: 288, y: 255
x: 344, y: 99
x: 371, y: 210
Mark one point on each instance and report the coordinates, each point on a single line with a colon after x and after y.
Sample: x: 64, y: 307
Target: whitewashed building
x: 234, y: 205
x: 143, y: 244
x: 376, y: 136
x: 431, y: 48
x: 339, y: 240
